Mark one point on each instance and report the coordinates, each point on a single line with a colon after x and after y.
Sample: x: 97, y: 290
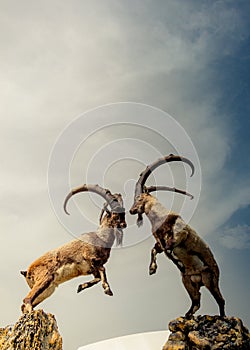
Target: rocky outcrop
x: 33, y: 331
x: 208, y: 333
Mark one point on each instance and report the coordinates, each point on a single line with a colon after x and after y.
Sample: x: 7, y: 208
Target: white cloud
x: 60, y: 58
x: 237, y: 237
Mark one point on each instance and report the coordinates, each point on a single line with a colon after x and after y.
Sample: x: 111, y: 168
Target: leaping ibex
x: 83, y: 256
x: 177, y: 240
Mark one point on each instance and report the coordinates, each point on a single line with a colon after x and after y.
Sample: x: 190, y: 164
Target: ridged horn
x: 139, y: 187
x: 111, y: 199
x: 166, y: 188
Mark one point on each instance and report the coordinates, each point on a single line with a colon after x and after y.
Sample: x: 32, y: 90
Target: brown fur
x: 184, y: 247
x: 82, y: 256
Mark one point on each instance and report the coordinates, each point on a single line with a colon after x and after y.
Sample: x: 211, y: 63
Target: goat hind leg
x: 211, y: 283
x: 40, y: 291
x: 193, y: 290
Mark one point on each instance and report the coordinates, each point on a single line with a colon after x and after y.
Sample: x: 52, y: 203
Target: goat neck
x: 108, y: 231
x: 106, y: 235
x: 155, y: 212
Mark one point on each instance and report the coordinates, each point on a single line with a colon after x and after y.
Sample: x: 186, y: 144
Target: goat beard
x: 139, y: 221
x: 119, y: 237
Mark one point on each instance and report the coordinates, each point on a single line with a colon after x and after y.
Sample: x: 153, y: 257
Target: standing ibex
x: 177, y: 240
x: 83, y: 256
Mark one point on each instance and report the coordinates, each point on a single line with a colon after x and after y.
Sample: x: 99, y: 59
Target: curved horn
x: 139, y: 187
x: 105, y: 193
x: 104, y: 209
x: 165, y: 188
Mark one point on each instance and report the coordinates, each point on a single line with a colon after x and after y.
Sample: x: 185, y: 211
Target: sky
x: 77, y: 77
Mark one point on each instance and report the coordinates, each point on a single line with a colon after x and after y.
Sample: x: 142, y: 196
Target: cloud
x: 237, y: 237
x: 61, y: 58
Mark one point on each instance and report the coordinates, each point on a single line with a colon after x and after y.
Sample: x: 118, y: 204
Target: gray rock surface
x: 33, y: 331
x: 208, y: 333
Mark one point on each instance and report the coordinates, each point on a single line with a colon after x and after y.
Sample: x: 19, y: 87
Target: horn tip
x: 66, y: 211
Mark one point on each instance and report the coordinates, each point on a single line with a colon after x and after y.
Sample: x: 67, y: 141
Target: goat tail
x: 24, y: 273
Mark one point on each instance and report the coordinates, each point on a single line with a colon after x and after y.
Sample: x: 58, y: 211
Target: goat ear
x: 104, y: 209
x: 139, y: 221
x: 101, y: 216
x: 108, y: 213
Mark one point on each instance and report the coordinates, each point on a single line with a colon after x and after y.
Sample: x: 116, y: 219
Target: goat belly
x: 72, y: 270
x: 191, y: 262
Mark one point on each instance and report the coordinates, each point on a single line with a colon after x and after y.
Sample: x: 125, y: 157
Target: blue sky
x: 60, y: 59
x: 233, y: 78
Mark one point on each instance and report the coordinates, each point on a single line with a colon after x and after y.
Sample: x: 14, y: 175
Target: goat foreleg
x: 91, y: 283
x: 176, y: 261
x: 100, y: 275
x: 153, y: 265
x: 104, y: 280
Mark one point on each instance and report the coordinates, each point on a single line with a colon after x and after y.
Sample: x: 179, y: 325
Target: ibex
x: 83, y: 256
x: 177, y: 240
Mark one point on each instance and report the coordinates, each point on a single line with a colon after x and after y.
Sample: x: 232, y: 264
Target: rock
x: 33, y: 331
x: 208, y: 333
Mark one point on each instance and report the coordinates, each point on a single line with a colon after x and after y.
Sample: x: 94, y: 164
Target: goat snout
x: 122, y: 225
x: 133, y: 211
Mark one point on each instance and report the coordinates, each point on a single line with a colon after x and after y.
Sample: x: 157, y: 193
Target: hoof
x: 26, y: 308
x: 80, y: 288
x: 108, y: 291
x: 189, y: 315
x: 152, y: 270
